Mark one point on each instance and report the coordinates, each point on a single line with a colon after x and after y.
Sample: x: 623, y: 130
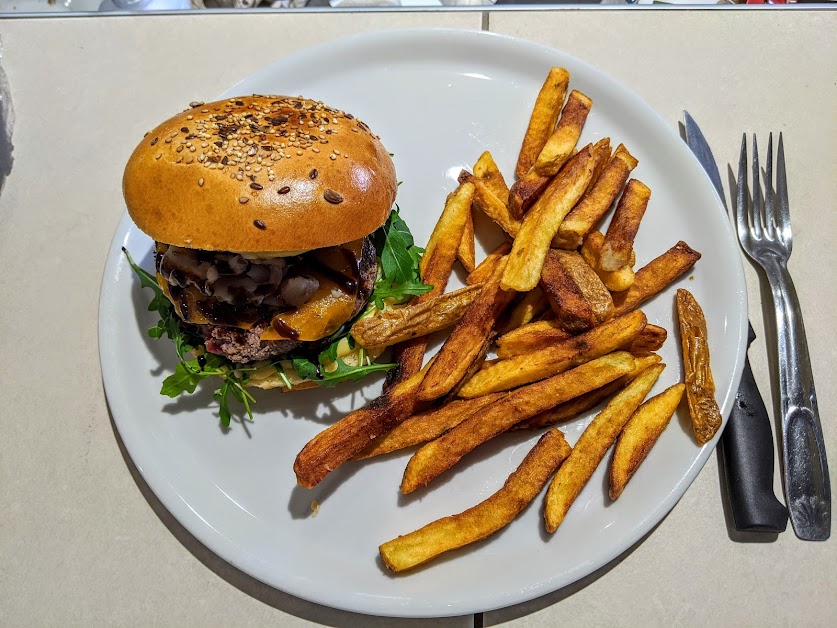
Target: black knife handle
x: 747, y: 447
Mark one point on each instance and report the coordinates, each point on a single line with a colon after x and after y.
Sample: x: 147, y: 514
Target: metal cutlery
x: 764, y: 230
x: 746, y: 444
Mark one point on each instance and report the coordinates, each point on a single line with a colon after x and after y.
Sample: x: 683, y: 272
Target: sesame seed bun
x: 259, y: 174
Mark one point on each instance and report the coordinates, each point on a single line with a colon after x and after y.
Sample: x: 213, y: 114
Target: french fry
x: 615, y: 281
x: 619, y: 240
x: 339, y: 442
x: 561, y: 143
x: 592, y: 446
x: 700, y: 385
x: 578, y: 297
x: 649, y: 340
x: 487, y: 517
x: 563, y: 355
x: 391, y: 326
x: 486, y: 170
x: 489, y: 204
x: 530, y: 337
x: 541, y: 223
x: 425, y: 426
x: 542, y: 121
x: 530, y: 307
x: 640, y: 435
x: 595, y: 203
x: 435, y: 268
x: 575, y: 407
x: 466, y: 253
x: 655, y: 276
x: 441, y: 454
x: 601, y: 157
x: 468, y: 341
x: 525, y: 191
x: 486, y: 267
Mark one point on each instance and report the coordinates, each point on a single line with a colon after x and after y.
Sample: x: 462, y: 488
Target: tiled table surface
x: 83, y: 541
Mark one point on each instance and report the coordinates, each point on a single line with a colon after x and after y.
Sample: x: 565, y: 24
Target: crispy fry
x: 619, y: 240
x: 488, y: 203
x: 561, y: 143
x: 640, y: 435
x: 574, y: 407
x: 655, y: 276
x: 487, y: 517
x: 615, y: 281
x: 592, y: 446
x: 525, y: 191
x: 436, y: 266
x: 468, y: 340
x: 532, y: 305
x: 425, y: 426
x: 563, y: 355
x: 700, y: 386
x: 466, y: 253
x: 601, y: 157
x: 542, y: 121
x: 441, y: 454
x: 391, y: 326
x: 595, y: 203
x: 532, y: 241
x: 530, y: 337
x: 650, y: 339
x: 486, y: 267
x: 487, y: 171
x: 342, y: 440
x: 576, y: 294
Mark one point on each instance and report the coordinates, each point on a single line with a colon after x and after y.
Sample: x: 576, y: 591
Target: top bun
x: 260, y: 174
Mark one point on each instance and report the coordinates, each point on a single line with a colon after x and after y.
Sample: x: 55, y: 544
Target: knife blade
x: 747, y: 440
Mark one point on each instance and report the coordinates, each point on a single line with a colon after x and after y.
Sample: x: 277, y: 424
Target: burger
x: 268, y: 215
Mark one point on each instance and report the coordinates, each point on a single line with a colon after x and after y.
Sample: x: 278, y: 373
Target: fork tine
x: 741, y: 200
x: 783, y: 221
x: 757, y: 213
x: 769, y: 195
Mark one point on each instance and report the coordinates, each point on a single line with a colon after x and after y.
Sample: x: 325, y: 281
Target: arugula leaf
x: 399, y: 260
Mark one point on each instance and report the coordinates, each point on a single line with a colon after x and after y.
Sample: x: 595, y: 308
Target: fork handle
x: 807, y: 484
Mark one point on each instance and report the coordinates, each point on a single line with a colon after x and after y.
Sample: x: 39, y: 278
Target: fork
x: 764, y: 230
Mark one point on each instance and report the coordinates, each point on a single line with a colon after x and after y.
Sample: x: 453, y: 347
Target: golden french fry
x: 441, y: 454
x: 639, y: 436
x: 435, y: 268
x: 655, y: 276
x: 615, y: 281
x: 700, y: 386
x: 576, y: 294
x: 351, y: 434
x: 592, y: 446
x: 563, y: 355
x: 595, y: 203
x: 486, y: 170
x: 491, y: 205
x: 525, y: 192
x: 469, y: 339
x: 393, y: 325
x: 487, y: 517
x: 466, y: 253
x: 601, y: 157
x: 540, y: 224
x: 619, y: 240
x: 532, y: 305
x: 530, y: 337
x: 542, y: 121
x: 425, y: 426
x: 650, y: 339
x: 486, y: 267
x: 575, y: 407
x: 561, y: 143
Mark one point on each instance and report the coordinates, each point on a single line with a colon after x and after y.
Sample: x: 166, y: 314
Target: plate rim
x: 177, y: 504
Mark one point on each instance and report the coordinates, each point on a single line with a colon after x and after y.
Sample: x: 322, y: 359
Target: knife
x: 747, y: 441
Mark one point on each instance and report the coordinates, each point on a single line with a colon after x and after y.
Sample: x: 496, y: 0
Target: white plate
x: 438, y: 99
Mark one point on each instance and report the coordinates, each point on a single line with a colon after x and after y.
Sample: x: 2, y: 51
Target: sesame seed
x: 184, y: 129
x: 299, y: 152
x: 284, y: 190
x: 333, y: 197
x: 155, y: 140
x: 243, y: 200
x: 190, y: 159
x: 259, y: 225
x: 179, y: 159
x: 158, y: 155
x: 190, y: 117
x: 316, y: 150
x: 313, y: 174
x: 200, y: 182
x: 256, y: 186
x: 332, y: 157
